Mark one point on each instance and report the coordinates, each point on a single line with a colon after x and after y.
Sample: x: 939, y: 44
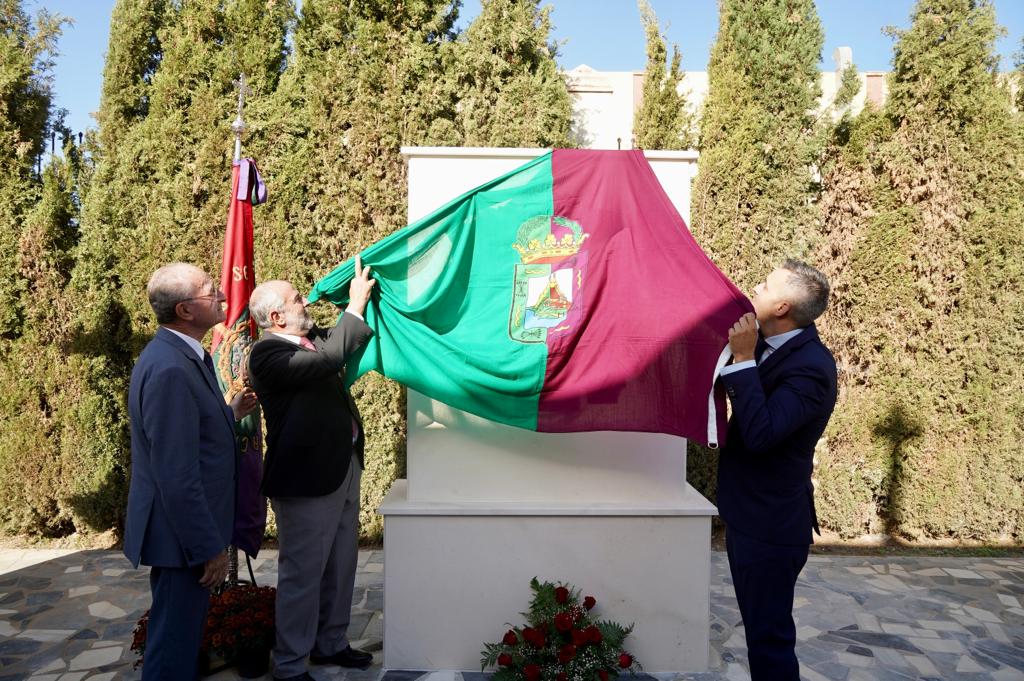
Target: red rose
x: 505, y: 660
x: 510, y: 638
x: 563, y: 621
x: 602, y: 675
x: 561, y: 594
x: 532, y: 672
x: 593, y: 634
x: 589, y: 602
x: 566, y: 653
x: 625, y: 660
x: 535, y: 637
x: 580, y: 637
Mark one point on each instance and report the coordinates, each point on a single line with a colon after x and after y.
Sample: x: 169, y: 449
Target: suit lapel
x: 806, y: 336
x: 210, y: 380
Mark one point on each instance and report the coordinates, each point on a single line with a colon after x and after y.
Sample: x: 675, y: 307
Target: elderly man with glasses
x: 181, y: 498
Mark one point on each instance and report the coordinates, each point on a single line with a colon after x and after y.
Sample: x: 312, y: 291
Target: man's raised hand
x: 359, y: 289
x: 743, y: 338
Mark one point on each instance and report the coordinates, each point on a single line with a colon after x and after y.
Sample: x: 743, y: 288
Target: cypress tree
x: 751, y: 204
x: 34, y: 367
x: 754, y: 187
x: 37, y: 233
x: 364, y: 79
x: 27, y: 49
x: 158, y: 194
x: 510, y: 90
x: 923, y: 216
x: 663, y: 120
x: 90, y: 413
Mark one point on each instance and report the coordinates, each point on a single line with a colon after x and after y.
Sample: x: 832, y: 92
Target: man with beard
x: 312, y: 471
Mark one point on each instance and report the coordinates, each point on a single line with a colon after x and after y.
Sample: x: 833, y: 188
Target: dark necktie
x: 762, y: 345
x: 208, y: 361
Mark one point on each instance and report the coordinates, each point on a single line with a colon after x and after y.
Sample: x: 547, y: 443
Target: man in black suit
x: 782, y: 386
x: 312, y: 470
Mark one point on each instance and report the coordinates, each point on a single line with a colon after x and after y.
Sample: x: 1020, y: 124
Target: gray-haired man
x: 181, y: 498
x: 312, y: 470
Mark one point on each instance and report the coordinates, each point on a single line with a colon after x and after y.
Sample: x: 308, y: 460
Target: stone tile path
x: 69, y: 616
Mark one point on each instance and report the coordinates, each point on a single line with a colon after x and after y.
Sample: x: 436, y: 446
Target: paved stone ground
x: 67, y: 616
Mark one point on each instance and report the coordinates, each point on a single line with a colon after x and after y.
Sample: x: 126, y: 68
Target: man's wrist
x: 737, y: 358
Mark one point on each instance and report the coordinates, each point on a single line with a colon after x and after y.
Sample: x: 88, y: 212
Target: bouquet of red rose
x: 561, y: 642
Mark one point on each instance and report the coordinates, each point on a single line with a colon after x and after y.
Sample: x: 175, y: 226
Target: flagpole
x: 238, y: 127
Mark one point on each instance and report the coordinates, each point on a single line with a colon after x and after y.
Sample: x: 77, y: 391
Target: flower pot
x: 253, y: 663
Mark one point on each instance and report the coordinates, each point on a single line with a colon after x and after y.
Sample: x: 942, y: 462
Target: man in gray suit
x: 312, y: 470
x: 181, y: 497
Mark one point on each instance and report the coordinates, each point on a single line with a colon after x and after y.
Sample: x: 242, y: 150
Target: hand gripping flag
x: 230, y: 352
x: 567, y: 295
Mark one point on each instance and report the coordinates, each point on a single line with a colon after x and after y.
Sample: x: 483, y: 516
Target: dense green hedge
x: 326, y: 117
x: 915, y: 213
x: 913, y: 210
x: 923, y: 236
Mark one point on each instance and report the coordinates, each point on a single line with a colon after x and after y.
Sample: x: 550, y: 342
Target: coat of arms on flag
x: 547, y: 292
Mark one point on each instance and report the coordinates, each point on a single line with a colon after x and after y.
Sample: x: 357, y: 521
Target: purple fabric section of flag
x: 653, y: 310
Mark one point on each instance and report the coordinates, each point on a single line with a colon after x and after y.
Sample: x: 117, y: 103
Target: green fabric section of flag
x: 443, y: 299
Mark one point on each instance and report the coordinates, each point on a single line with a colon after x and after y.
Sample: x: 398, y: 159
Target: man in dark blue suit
x: 782, y: 386
x: 182, y: 495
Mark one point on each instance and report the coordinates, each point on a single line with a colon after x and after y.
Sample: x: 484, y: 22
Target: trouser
x: 176, y: 618
x: 318, y: 540
x: 764, y: 576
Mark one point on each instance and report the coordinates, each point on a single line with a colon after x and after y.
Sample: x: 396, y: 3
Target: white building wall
x: 605, y: 101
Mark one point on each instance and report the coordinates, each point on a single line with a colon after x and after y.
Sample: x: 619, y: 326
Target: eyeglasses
x: 210, y: 296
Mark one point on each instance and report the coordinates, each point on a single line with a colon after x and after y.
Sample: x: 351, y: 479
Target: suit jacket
x: 181, y: 499
x: 308, y: 409
x: 779, y: 412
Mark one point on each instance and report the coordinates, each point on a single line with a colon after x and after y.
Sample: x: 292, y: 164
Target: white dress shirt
x: 774, y: 343
x: 192, y: 343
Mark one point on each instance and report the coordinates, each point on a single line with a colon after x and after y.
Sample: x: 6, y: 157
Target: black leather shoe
x: 349, y: 657
x: 304, y: 676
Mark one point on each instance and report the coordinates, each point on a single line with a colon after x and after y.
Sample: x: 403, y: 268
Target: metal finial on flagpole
x: 238, y: 127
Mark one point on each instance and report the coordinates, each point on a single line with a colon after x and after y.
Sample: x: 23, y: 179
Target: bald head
x: 170, y: 285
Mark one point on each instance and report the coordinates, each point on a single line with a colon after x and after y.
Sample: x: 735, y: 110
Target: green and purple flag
x: 567, y: 295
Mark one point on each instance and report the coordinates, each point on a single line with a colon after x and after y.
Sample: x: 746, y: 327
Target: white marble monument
x: 486, y: 507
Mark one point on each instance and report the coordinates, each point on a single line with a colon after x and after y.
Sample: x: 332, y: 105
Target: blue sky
x: 605, y: 34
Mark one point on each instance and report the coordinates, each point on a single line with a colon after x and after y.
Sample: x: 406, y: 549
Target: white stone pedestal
x: 454, y: 574
x: 486, y: 507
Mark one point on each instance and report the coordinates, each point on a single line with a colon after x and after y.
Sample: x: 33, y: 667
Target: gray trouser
x: 316, y: 566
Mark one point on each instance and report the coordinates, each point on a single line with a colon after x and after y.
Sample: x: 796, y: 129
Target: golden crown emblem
x: 550, y: 249
x: 537, y: 244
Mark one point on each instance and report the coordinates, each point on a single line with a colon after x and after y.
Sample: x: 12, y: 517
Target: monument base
x: 457, y: 575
